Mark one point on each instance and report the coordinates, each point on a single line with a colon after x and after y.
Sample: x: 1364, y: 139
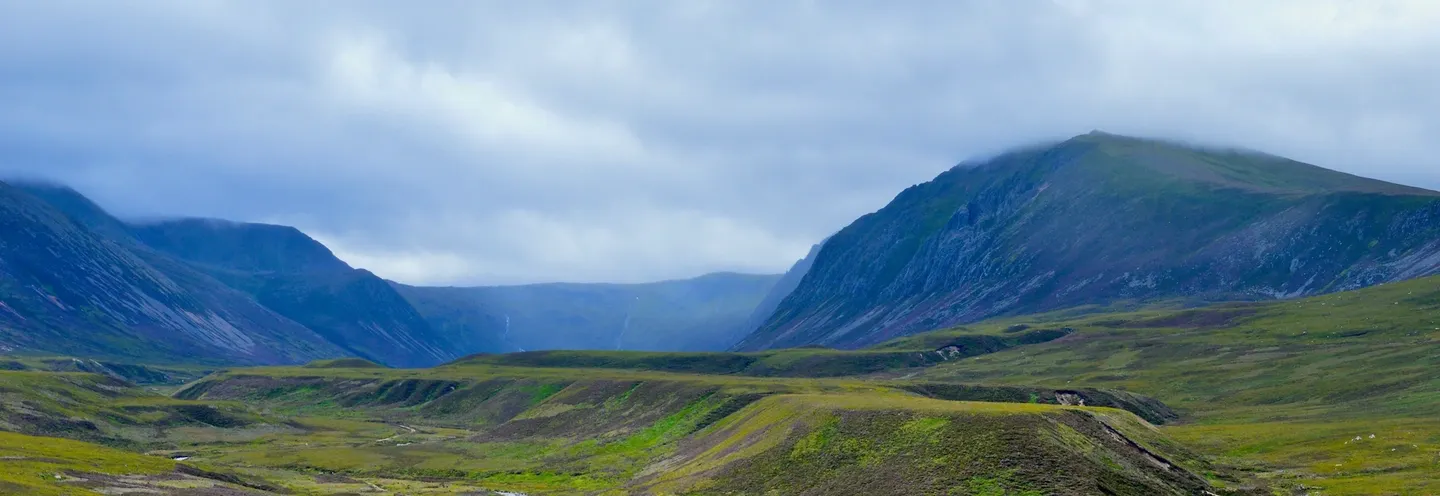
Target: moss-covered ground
x: 1289, y: 392
x: 470, y: 427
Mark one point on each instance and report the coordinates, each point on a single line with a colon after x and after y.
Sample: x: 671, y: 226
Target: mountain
x: 229, y: 268
x: 704, y: 313
x: 298, y: 277
x: 781, y: 290
x: 67, y: 288
x: 1099, y: 219
x: 75, y: 280
x: 239, y: 246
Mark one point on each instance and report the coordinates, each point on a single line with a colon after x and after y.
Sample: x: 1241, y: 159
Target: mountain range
x: 75, y: 280
x: 1094, y: 221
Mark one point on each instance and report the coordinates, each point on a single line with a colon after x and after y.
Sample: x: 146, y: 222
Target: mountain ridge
x: 270, y: 294
x: 57, y: 276
x: 1102, y: 218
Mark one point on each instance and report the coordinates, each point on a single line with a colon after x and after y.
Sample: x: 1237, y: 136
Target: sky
x: 501, y: 142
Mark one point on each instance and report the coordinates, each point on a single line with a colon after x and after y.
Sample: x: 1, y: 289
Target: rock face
x: 1102, y: 218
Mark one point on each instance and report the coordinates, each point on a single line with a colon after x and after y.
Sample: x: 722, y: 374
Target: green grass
x: 48, y: 466
x: 1276, y: 388
x: 797, y: 362
x: 567, y: 430
x: 1257, y: 398
x: 892, y: 444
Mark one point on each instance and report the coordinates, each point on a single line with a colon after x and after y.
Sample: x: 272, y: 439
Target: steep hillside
x: 239, y: 246
x: 1102, y: 218
x: 67, y: 289
x: 780, y: 291
x: 275, y: 270
x: 298, y: 277
x: 705, y: 313
x: 292, y: 292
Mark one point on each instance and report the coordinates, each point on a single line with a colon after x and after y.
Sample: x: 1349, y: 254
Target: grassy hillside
x: 1250, y: 398
x: 296, y: 276
x: 795, y: 362
x: 149, y: 375
x: 472, y: 427
x: 615, y: 430
x: 1293, y: 390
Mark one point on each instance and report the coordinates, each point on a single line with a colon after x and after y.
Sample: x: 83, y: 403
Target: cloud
x: 503, y: 142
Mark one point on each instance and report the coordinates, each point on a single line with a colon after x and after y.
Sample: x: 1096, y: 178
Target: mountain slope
x: 298, y: 277
x: 66, y: 289
x: 239, y: 246
x: 781, y: 290
x: 1103, y: 218
x: 280, y: 283
x: 704, y: 313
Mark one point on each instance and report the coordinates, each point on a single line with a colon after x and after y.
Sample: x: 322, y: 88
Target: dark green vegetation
x: 1129, y: 387
x: 76, y: 281
x: 132, y: 373
x: 1291, y: 391
x: 620, y: 431
x: 1098, y: 219
x: 795, y: 362
x: 707, y: 313
x: 466, y: 428
x: 1272, y: 398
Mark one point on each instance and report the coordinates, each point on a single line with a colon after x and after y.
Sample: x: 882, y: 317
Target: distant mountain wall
x: 707, y: 313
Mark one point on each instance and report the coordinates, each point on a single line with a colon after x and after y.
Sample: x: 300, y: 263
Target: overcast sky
x: 480, y: 142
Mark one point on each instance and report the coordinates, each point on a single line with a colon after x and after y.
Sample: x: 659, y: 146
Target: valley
x: 1100, y: 316
x: 1316, y: 379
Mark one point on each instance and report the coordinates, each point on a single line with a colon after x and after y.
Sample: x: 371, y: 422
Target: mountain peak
x: 240, y: 245
x: 75, y: 205
x: 1098, y: 218
x: 1228, y: 167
